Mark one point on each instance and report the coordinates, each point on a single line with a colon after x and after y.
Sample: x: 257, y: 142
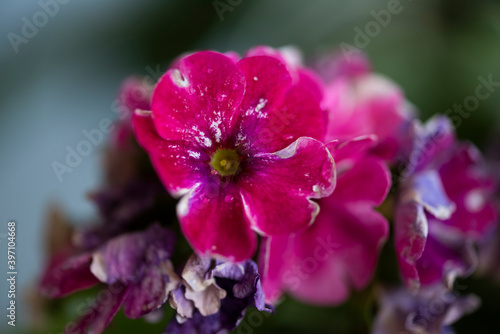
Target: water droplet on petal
x: 229, y: 198
x: 210, y: 70
x: 287, y: 137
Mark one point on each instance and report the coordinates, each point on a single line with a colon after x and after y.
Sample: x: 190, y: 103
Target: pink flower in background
x: 340, y: 250
x: 239, y: 142
x: 445, y: 204
x: 361, y: 102
x: 134, y: 93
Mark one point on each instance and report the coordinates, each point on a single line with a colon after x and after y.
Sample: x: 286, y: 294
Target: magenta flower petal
x: 213, y: 220
x: 356, y: 236
x: 196, y: 101
x: 273, y: 252
x: 287, y: 179
x: 259, y: 116
x: 452, y: 258
x: 347, y: 153
x: 271, y: 121
x: 179, y: 166
x: 467, y: 185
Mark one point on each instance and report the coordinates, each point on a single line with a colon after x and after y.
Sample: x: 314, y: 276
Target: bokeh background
x: 65, y: 79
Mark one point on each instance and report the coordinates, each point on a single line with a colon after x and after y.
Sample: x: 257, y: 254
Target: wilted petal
x: 99, y: 315
x: 430, y: 311
x: 195, y: 271
x: 67, y: 274
x: 241, y: 293
x: 183, y: 306
x: 148, y: 294
x: 207, y: 301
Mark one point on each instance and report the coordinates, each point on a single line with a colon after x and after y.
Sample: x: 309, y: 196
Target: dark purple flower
x: 136, y: 269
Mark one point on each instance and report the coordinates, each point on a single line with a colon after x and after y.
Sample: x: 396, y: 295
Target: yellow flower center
x: 226, y: 162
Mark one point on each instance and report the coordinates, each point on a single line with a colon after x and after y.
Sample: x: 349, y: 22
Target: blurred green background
x: 65, y: 78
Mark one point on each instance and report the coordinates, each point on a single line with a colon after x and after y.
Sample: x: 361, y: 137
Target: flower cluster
x: 261, y: 158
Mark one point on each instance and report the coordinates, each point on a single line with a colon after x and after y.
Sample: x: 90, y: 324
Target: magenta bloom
x: 340, y: 250
x: 238, y: 140
x: 361, y: 102
x: 445, y: 204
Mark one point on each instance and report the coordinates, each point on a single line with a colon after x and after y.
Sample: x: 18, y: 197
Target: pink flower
x: 361, y: 102
x: 445, y: 204
x: 340, y: 250
x: 238, y: 141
